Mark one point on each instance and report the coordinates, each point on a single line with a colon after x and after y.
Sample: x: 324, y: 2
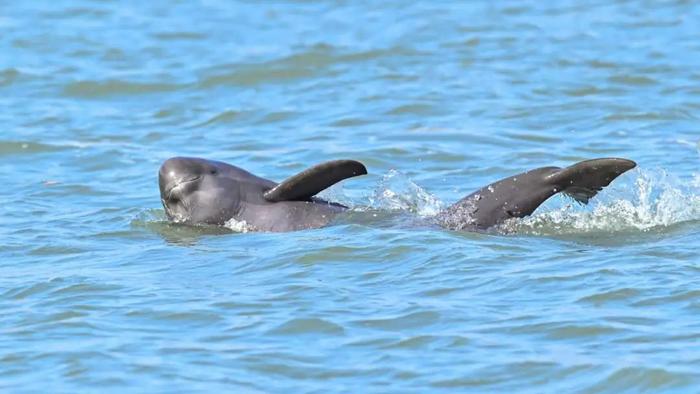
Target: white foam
x: 396, y: 192
x: 239, y: 226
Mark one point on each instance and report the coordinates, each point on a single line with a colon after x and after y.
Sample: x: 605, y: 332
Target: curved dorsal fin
x: 585, y: 179
x: 312, y: 181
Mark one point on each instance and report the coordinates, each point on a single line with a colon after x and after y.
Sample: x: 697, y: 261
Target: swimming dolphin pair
x: 201, y: 191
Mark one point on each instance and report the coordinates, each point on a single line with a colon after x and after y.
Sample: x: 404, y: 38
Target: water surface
x: 98, y: 291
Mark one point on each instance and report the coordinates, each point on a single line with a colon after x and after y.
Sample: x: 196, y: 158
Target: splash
x: 396, y: 192
x: 642, y: 201
x: 650, y: 200
x: 460, y: 217
x: 238, y: 226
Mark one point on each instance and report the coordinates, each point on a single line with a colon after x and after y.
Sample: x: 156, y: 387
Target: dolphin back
x: 519, y: 195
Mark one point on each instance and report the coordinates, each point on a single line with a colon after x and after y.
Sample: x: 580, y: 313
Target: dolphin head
x: 197, y: 190
x: 201, y: 191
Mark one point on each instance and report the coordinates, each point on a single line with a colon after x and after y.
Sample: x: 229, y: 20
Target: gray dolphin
x: 200, y: 191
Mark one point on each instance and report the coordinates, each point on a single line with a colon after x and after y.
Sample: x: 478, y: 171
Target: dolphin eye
x: 213, y: 171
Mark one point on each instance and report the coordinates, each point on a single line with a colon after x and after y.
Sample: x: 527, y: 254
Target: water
x: 99, y: 292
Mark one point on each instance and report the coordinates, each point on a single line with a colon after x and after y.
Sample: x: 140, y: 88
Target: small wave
x: 180, y: 36
x: 691, y: 144
x: 253, y: 75
x: 9, y: 75
x: 27, y: 147
x: 312, y: 326
x: 310, y: 62
x: 98, y: 89
x: 154, y: 220
x: 224, y: 117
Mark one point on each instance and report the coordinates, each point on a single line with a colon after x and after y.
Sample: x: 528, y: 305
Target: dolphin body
x: 201, y: 191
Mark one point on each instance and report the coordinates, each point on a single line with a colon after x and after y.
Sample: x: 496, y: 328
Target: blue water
x: 99, y: 293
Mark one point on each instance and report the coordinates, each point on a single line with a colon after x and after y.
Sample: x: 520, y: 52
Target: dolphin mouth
x: 169, y: 190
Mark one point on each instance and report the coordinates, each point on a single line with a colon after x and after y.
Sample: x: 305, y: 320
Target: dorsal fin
x: 312, y: 181
x: 585, y: 179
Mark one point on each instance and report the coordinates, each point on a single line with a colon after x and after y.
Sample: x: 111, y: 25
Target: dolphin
x: 201, y: 191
